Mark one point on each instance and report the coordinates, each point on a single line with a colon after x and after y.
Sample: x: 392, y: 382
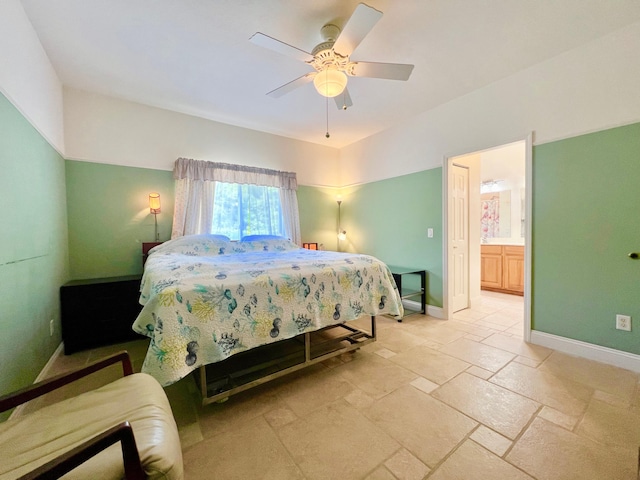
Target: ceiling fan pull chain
x: 327, y: 105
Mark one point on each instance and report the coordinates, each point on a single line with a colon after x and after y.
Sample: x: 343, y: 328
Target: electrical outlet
x: 623, y: 322
x: 51, y: 327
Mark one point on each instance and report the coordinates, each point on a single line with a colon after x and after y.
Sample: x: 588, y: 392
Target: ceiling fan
x: 330, y: 58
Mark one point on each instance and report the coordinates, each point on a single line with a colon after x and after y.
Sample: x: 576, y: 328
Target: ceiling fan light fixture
x: 330, y: 82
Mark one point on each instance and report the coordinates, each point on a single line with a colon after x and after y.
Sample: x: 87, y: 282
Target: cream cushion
x: 29, y: 441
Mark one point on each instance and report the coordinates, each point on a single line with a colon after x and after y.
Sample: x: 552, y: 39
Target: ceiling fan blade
x: 391, y: 71
x: 292, y: 85
x: 343, y: 101
x: 277, y: 46
x: 361, y: 22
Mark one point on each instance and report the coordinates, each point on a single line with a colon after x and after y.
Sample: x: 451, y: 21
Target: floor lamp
x: 154, y: 208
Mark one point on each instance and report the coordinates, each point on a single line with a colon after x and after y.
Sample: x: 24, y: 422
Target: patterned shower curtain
x: 490, y: 218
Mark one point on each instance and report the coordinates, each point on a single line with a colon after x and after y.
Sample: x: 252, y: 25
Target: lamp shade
x: 154, y: 202
x: 330, y: 82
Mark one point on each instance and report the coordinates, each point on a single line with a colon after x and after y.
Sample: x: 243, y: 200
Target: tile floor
x: 458, y: 399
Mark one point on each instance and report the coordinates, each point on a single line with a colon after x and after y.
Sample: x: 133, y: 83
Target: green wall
x: 318, y: 216
x: 109, y: 219
x: 33, y: 249
x: 586, y: 219
x: 109, y: 216
x: 389, y: 219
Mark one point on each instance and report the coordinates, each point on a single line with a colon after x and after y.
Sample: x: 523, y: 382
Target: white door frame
x: 447, y: 302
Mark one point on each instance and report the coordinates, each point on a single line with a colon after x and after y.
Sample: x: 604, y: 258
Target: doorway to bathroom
x: 486, y: 225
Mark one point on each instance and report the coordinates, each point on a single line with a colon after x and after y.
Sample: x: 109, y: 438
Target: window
x: 234, y: 200
x: 243, y: 209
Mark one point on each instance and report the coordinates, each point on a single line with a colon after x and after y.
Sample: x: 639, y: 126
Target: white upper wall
x: 590, y: 88
x: 112, y: 131
x: 27, y: 77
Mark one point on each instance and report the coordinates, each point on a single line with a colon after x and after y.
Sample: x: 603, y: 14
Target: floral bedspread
x: 206, y: 299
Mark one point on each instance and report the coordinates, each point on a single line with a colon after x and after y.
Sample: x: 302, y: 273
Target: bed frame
x: 248, y: 369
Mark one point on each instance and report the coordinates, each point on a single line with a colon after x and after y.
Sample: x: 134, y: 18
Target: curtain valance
x: 186, y: 168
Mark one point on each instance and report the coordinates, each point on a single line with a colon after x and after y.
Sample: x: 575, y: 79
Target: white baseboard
x: 432, y: 310
x: 41, y: 376
x: 610, y: 356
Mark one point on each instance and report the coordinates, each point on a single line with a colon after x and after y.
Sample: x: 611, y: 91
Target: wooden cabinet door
x: 513, y: 273
x: 491, y: 266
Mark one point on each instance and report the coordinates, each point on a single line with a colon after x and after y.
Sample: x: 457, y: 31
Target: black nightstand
x: 99, y: 311
x: 397, y: 273
x: 146, y: 246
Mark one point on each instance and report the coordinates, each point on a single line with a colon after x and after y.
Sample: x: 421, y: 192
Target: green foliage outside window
x: 242, y: 209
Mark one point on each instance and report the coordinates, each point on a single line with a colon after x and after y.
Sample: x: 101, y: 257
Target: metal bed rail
x: 245, y: 370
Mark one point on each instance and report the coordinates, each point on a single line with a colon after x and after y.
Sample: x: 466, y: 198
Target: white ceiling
x: 194, y: 56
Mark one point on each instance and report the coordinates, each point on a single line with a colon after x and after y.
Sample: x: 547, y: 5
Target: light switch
x: 430, y: 232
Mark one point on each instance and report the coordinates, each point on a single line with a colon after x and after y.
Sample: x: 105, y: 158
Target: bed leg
x: 203, y: 381
x: 373, y: 326
x: 307, y: 347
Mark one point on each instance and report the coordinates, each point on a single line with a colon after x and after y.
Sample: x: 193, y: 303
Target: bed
x: 242, y: 313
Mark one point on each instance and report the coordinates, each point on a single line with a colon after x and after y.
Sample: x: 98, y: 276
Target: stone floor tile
x: 406, y: 467
x: 516, y: 331
x: 494, y: 326
x: 441, y: 333
x: 527, y: 361
x: 498, y: 408
x: 280, y: 416
x: 217, y: 456
x: 473, y: 337
x: 492, y: 441
x: 612, y: 399
x: 611, y: 425
x: 325, y: 443
x: 479, y: 372
x: 504, y: 318
x: 309, y: 392
x: 518, y: 346
x: 484, y: 356
x: 359, y: 399
x: 563, y: 420
x: 376, y: 376
x: 423, y: 425
x: 385, y: 353
x: 472, y: 314
x: 549, y: 452
x: 397, y: 340
x: 424, y: 385
x: 380, y: 473
x: 217, y: 418
x: 562, y: 394
x: 472, y: 462
x: 598, y: 376
x: 471, y: 329
x: 430, y: 364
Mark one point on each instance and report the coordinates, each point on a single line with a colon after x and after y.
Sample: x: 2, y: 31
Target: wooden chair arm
x: 68, y: 461
x: 30, y: 392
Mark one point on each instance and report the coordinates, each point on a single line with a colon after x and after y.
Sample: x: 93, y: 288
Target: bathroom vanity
x: 502, y: 268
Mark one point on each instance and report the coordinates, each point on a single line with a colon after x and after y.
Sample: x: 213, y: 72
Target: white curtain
x: 195, y: 188
x: 289, y: 203
x: 193, y: 207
